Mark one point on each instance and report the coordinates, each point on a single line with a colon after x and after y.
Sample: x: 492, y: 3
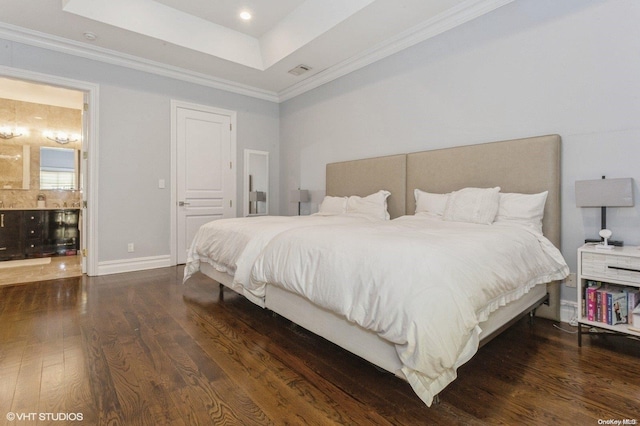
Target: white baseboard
x: 131, y: 265
x: 568, y: 310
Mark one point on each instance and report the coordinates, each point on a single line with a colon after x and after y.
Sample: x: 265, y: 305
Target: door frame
x: 89, y: 145
x: 174, y: 164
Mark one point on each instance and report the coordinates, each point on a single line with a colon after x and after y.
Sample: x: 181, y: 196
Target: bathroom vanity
x: 27, y: 233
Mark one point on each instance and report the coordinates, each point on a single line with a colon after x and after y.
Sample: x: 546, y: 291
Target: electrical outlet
x: 570, y: 281
x: 130, y: 248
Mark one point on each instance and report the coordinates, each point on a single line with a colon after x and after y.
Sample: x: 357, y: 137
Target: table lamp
x: 299, y: 196
x: 604, y: 193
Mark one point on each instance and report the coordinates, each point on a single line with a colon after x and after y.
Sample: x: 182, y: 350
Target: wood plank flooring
x: 142, y: 348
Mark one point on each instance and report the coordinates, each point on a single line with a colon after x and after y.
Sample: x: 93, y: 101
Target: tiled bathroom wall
x: 35, y: 119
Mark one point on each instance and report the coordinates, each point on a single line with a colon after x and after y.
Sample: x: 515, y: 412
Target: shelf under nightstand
x: 618, y: 268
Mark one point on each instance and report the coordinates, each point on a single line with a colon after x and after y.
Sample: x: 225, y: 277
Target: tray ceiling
x: 207, y: 42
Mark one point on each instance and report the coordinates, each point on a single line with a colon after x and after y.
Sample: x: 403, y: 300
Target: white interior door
x: 205, y: 183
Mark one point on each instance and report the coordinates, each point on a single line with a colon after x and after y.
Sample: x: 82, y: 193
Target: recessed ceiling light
x: 245, y: 16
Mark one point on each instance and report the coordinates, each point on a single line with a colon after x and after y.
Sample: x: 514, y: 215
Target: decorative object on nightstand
x: 605, y: 234
x: 608, y: 290
x: 300, y: 196
x: 605, y: 193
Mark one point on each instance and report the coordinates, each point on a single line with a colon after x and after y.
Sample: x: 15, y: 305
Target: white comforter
x: 420, y: 283
x: 232, y: 245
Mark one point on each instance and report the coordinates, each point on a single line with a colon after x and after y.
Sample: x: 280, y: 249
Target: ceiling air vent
x: 299, y: 70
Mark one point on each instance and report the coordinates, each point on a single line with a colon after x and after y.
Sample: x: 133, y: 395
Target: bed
x: 528, y: 166
x: 226, y: 249
x: 230, y: 246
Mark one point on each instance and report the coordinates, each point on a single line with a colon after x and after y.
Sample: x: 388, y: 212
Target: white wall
x: 134, y: 144
x: 533, y: 67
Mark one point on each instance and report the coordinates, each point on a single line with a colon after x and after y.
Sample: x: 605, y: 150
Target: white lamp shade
x: 604, y: 193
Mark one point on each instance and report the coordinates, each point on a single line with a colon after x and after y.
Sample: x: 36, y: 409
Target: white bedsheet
x: 421, y: 283
x: 232, y: 245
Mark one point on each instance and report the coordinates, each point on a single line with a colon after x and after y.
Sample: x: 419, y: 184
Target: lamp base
x: 603, y: 247
x: 610, y: 242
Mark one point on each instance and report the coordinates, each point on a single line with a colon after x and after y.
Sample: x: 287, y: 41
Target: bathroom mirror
x: 39, y: 168
x: 59, y: 168
x: 15, y: 165
x: 256, y: 183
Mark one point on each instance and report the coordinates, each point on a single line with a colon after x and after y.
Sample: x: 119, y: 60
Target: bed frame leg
x: 221, y: 294
x: 532, y: 313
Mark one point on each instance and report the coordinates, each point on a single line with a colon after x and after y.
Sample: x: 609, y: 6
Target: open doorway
x: 43, y: 187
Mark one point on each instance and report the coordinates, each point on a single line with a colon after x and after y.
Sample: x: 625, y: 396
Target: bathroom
x: 40, y: 159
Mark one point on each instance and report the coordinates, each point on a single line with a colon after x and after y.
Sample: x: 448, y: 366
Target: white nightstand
x: 616, y: 269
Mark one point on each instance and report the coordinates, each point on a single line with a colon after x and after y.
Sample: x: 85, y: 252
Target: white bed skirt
x: 358, y: 340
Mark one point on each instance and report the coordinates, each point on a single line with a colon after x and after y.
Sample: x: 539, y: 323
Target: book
x: 608, y: 294
x: 591, y: 300
x: 633, y: 299
x: 601, y: 304
x: 618, y: 306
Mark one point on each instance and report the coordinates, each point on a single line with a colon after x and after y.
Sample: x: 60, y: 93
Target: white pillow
x: 332, y: 206
x: 430, y: 203
x: 522, y: 209
x: 374, y: 205
x: 475, y: 205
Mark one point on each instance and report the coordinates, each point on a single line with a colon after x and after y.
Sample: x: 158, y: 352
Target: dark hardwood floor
x: 141, y: 348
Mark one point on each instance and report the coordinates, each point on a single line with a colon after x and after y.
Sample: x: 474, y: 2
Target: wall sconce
x: 10, y: 157
x: 300, y: 196
x: 7, y: 132
x: 605, y: 193
x: 61, y: 137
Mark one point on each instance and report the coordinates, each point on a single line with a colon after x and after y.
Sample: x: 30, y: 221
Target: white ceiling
x: 205, y: 41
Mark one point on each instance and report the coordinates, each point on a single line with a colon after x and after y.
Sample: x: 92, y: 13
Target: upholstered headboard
x: 364, y: 177
x: 528, y: 165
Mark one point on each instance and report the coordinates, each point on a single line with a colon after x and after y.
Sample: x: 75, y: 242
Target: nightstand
x: 606, y: 279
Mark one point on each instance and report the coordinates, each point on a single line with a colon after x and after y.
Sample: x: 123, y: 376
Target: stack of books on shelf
x: 611, y: 304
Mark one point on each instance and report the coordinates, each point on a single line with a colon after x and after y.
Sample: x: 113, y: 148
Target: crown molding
x: 458, y: 15
x: 71, y: 47
x: 462, y: 13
